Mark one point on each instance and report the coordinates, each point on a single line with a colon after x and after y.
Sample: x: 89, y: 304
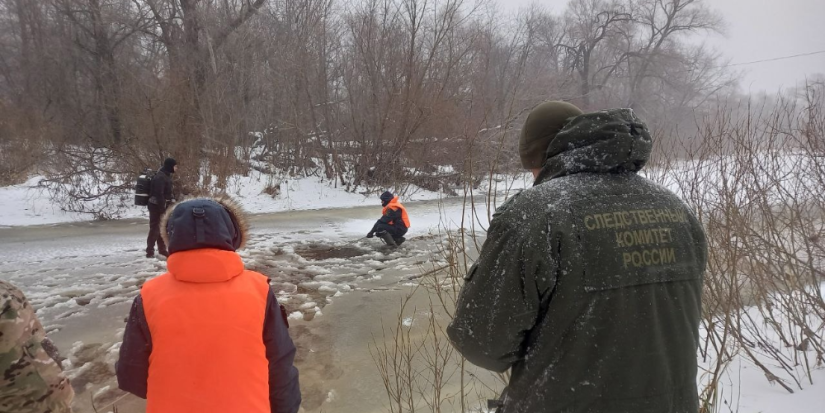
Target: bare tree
x: 662, y: 24
x: 366, y: 94
x: 102, y: 26
x: 591, y: 25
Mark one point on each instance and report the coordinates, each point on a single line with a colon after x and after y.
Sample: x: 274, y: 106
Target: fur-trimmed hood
x: 195, y: 223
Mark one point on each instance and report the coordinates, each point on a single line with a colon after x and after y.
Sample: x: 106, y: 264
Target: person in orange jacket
x: 394, y: 221
x: 208, y: 335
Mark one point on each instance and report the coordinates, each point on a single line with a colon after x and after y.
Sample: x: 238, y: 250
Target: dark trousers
x: 394, y: 231
x: 155, y: 214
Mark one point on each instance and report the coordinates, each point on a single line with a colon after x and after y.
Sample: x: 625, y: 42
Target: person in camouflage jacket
x: 31, y: 381
x: 589, y: 284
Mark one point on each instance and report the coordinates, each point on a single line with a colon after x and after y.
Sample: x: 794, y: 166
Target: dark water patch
x: 319, y: 252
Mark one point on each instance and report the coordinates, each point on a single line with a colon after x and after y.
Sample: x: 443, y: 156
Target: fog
x: 757, y: 30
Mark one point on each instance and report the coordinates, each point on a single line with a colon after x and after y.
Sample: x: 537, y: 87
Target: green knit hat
x: 540, y: 128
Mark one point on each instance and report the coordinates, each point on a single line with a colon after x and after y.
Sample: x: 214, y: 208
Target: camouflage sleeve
x: 52, y: 351
x: 32, y: 382
x: 499, y: 303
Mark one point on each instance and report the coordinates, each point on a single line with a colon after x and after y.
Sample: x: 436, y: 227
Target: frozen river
x: 82, y: 277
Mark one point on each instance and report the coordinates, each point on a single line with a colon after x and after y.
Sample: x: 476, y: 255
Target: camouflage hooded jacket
x: 32, y: 382
x: 589, y: 284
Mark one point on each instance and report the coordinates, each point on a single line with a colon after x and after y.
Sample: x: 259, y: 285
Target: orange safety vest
x: 206, y: 318
x: 394, y: 204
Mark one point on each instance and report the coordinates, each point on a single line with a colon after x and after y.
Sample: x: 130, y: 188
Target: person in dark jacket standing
x: 589, y: 284
x: 394, y: 221
x: 208, y: 336
x: 160, y: 198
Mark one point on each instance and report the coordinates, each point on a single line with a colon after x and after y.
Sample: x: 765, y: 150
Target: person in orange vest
x: 208, y: 335
x: 394, y: 221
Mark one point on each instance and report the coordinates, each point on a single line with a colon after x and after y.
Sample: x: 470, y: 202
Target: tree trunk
x: 107, y: 76
x: 27, y: 94
x: 584, y: 73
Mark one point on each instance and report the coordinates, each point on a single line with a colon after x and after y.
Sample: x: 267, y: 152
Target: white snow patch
x: 101, y: 392
x: 29, y: 203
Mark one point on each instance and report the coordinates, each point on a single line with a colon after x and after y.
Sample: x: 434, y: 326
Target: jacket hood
x: 205, y: 265
x: 217, y: 223
x: 169, y: 165
x: 386, y: 197
x: 608, y: 141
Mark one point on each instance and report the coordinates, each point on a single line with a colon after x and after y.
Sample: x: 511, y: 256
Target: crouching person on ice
x: 208, y: 335
x: 589, y: 284
x: 394, y: 221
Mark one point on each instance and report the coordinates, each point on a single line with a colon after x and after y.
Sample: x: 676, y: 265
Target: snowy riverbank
x: 29, y: 203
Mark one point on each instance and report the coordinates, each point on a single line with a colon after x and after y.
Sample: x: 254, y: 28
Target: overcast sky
x: 758, y: 30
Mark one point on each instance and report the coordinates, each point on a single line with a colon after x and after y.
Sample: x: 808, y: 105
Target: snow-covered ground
x: 745, y: 388
x: 29, y: 203
x: 786, y: 173
x: 69, y: 270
